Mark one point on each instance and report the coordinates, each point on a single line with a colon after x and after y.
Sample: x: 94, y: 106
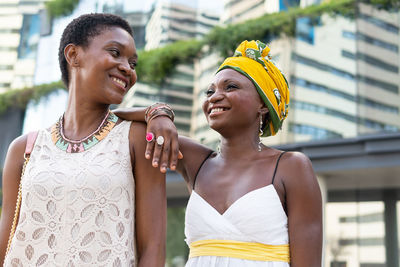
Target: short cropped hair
x: 82, y: 29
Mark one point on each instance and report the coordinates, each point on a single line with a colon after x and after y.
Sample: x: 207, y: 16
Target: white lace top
x: 77, y: 208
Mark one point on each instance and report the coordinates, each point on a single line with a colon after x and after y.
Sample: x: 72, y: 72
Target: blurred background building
x: 344, y: 111
x: 171, y: 21
x: 19, y: 35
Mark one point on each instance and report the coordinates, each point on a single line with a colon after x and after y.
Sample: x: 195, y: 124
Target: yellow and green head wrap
x: 252, y: 60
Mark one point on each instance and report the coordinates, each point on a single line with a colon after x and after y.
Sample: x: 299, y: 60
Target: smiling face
x: 106, y: 67
x: 232, y: 100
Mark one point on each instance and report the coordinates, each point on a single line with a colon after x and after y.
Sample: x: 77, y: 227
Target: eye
x: 115, y: 52
x: 231, y: 86
x: 209, y: 92
x: 133, y: 65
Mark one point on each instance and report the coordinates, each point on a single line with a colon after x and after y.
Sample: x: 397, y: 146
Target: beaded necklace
x: 76, y: 146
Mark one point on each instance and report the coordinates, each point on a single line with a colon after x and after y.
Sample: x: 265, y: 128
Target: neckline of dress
x: 72, y: 146
x: 241, y: 199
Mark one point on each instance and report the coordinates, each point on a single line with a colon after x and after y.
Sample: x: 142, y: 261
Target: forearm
x: 154, y: 255
x: 131, y: 114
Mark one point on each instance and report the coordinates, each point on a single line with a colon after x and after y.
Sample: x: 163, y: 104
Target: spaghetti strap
x: 201, y: 165
x: 276, y: 166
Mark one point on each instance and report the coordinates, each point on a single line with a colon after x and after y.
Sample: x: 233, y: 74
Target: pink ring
x: 149, y: 137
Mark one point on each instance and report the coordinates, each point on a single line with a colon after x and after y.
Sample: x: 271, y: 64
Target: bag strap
x: 30, y: 143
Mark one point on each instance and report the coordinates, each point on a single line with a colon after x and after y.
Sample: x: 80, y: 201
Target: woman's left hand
x: 165, y: 154
x: 164, y: 145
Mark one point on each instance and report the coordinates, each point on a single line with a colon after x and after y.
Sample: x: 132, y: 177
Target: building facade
x: 343, y: 79
x: 19, y: 35
x: 169, y: 22
x: 172, y: 21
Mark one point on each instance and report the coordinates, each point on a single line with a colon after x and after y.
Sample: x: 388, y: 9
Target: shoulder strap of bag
x: 30, y: 143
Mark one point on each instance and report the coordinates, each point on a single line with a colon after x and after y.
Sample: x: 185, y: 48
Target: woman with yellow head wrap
x: 247, y: 201
x: 252, y: 59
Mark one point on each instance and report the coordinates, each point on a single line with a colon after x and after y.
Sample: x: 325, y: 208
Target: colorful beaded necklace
x: 76, y: 146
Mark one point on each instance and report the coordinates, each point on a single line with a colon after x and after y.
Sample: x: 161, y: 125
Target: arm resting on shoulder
x: 162, y: 156
x: 194, y: 155
x: 193, y: 152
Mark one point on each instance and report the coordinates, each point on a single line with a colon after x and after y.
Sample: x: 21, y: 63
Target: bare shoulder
x: 13, y: 163
x: 137, y: 137
x: 298, y: 159
x: 17, y: 146
x: 296, y: 168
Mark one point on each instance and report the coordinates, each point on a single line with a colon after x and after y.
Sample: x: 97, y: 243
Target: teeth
x: 119, y: 81
x: 216, y: 110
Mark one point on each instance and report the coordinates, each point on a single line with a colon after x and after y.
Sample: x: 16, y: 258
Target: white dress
x: 257, y: 216
x: 77, y: 208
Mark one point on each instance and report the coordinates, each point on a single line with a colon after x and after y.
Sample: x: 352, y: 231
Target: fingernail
x: 155, y: 164
x: 147, y: 156
x: 173, y: 167
x: 163, y: 169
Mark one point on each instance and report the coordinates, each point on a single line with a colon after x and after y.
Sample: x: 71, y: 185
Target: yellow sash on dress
x: 240, y: 250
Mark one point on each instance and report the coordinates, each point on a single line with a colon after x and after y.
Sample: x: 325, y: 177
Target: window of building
x: 7, y: 31
x: 230, y: 3
x: 377, y: 105
x: 6, y: 67
x: 305, y: 30
x: 376, y: 62
x: 378, y: 126
x: 321, y: 88
x: 183, y: 114
x: 6, y: 85
x: 370, y: 40
x: 7, y: 49
x: 355, y: 234
x: 316, y: 133
x: 286, y: 4
x: 380, y: 23
x: 322, y: 110
x: 324, y: 67
x: 30, y: 32
x: 388, y: 86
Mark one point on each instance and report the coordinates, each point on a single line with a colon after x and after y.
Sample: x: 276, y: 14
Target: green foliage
x: 58, y: 8
x: 21, y: 97
x: 154, y: 65
x: 176, y: 245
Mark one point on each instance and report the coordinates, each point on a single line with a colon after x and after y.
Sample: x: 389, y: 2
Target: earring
x: 260, y: 133
x: 219, y: 147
